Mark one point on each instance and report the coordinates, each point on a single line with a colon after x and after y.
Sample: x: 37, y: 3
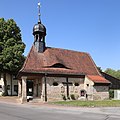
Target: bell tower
x: 39, y: 32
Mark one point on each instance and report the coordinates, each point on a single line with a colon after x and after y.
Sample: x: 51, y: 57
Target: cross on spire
x: 39, y: 21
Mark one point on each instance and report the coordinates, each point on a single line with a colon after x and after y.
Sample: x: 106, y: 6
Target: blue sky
x: 91, y: 26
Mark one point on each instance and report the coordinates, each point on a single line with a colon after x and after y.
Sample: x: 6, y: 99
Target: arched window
x: 55, y: 83
x: 58, y: 65
x: 36, y: 37
x: 76, y: 84
x: 82, y: 93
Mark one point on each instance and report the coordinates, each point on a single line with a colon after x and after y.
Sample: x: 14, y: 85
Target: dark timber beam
x: 67, y: 83
x: 45, y: 87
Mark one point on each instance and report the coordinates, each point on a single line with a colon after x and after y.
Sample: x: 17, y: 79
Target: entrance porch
x: 31, y: 87
x: 49, y: 87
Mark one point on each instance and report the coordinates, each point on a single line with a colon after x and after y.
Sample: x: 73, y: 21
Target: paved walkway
x: 101, y: 110
x: 9, y: 99
x: 16, y: 100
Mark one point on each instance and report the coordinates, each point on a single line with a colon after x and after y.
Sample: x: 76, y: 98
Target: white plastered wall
x: 96, y: 92
x: 8, y: 78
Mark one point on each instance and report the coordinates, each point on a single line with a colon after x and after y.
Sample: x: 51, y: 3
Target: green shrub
x: 111, y: 94
x: 64, y: 97
x: 72, y: 97
x: 68, y: 98
x: 3, y: 94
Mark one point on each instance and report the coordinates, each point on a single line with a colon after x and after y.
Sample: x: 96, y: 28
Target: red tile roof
x: 97, y: 79
x: 74, y: 62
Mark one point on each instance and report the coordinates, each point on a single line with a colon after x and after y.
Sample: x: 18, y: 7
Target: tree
x: 11, y: 48
x: 114, y: 73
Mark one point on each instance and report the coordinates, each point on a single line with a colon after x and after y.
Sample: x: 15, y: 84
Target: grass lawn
x: 105, y: 103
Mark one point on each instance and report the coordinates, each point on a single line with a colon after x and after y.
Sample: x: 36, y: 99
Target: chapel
x: 52, y: 74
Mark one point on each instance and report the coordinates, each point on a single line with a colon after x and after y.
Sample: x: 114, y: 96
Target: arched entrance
x: 82, y: 93
x: 29, y: 89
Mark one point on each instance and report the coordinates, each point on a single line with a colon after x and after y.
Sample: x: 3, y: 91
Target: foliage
x: 11, y: 49
x: 114, y: 73
x: 99, y: 69
x: 11, y: 46
x: 104, y: 103
x: 72, y: 96
x: 68, y: 98
x: 64, y: 97
x: 111, y: 94
x: 3, y: 94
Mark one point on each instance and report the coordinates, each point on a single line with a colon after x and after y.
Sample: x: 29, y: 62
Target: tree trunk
x: 5, y: 84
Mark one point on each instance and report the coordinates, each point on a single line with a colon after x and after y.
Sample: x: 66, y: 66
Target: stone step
x: 35, y: 100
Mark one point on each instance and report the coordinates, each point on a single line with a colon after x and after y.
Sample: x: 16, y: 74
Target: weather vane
x: 39, y: 12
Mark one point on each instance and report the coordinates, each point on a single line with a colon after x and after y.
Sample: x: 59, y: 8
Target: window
x: 14, y: 77
x: 8, y: 87
x: 82, y: 93
x: 55, y: 84
x: 16, y: 88
x: 36, y: 37
x: 58, y: 65
x: 76, y: 84
x: 0, y: 88
x: 87, y: 85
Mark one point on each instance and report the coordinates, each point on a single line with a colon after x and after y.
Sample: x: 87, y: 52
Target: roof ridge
x: 67, y: 50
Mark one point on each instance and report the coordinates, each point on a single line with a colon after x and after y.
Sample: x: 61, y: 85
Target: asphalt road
x: 10, y: 111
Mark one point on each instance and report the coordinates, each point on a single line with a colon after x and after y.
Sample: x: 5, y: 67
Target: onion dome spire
x: 39, y: 32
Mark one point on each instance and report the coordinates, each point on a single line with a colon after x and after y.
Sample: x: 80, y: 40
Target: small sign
x: 30, y: 89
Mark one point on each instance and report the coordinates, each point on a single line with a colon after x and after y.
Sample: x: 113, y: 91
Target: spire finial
x: 39, y: 21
